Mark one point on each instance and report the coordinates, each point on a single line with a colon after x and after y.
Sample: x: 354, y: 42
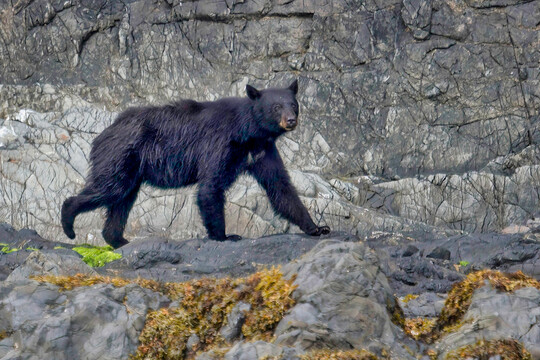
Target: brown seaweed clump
x: 507, y: 349
x: 73, y: 281
x: 459, y: 299
x: 202, y: 311
x: 327, y: 354
x: 420, y: 329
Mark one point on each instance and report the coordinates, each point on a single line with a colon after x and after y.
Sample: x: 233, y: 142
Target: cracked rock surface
x: 421, y: 109
x: 345, y: 296
x: 331, y: 312
x: 495, y: 315
x: 98, y: 322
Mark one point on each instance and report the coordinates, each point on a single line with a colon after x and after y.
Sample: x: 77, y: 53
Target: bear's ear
x: 252, y: 93
x: 294, y: 87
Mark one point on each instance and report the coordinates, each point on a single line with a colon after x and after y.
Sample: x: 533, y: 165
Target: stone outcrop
x: 497, y: 315
x: 344, y: 299
x: 98, y: 322
x: 414, y: 266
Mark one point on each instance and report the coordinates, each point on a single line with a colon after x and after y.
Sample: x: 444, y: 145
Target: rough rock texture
x: 427, y: 304
x: 58, y: 264
x: 415, y: 272
x: 27, y: 241
x: 496, y: 315
x: 430, y: 109
x: 169, y: 260
x: 343, y: 301
x: 259, y: 350
x: 235, y: 319
x: 98, y: 322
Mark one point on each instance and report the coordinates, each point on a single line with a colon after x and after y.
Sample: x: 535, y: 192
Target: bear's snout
x: 288, y: 122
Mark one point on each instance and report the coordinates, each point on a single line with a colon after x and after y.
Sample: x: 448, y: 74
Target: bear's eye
x: 277, y: 107
x: 294, y: 106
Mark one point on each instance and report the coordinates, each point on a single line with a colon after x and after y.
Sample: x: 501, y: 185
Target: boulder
x: 95, y: 322
x: 496, y: 315
x: 51, y: 263
x: 343, y: 300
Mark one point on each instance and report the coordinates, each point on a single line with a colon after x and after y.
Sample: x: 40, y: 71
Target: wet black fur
x: 190, y: 142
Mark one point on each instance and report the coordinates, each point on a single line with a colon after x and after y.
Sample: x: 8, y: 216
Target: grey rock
x: 170, y: 260
x: 417, y: 273
x: 343, y: 300
x: 413, y: 274
x: 440, y: 253
x: 39, y: 263
x: 210, y: 355
x: 472, y: 201
x: 428, y: 305
x: 235, y: 320
x: 260, y: 350
x: 416, y: 14
x: 98, y: 322
x: 192, y: 341
x: 496, y: 315
x: 409, y: 251
x: 11, y: 261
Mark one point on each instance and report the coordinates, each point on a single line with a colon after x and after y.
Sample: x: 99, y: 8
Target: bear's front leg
x: 270, y: 173
x: 211, y: 201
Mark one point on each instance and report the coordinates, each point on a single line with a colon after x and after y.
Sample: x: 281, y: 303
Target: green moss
x: 97, y: 256
x: 5, y: 248
x: 409, y: 297
x: 32, y: 248
x: 59, y: 247
x: 463, y: 263
x: 507, y: 349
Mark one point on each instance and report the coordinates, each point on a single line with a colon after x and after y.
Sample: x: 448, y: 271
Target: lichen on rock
x: 202, y: 310
x: 504, y: 349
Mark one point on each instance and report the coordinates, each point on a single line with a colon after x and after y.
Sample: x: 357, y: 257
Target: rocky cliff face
x: 426, y: 110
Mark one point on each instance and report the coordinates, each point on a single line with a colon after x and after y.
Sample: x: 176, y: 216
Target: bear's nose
x: 291, y: 122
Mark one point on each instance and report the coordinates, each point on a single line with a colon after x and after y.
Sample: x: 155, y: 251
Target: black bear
x: 188, y: 142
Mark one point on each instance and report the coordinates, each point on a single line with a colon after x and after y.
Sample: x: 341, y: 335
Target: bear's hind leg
x: 117, y: 216
x: 87, y: 200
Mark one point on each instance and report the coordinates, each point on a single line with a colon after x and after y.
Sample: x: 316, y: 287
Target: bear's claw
x: 320, y: 230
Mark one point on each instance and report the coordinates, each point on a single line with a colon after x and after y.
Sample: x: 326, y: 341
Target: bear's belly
x: 170, y: 175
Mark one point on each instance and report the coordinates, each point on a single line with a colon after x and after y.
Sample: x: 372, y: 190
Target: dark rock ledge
x: 350, y: 294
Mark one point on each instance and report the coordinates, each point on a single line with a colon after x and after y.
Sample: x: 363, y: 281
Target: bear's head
x: 277, y: 108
